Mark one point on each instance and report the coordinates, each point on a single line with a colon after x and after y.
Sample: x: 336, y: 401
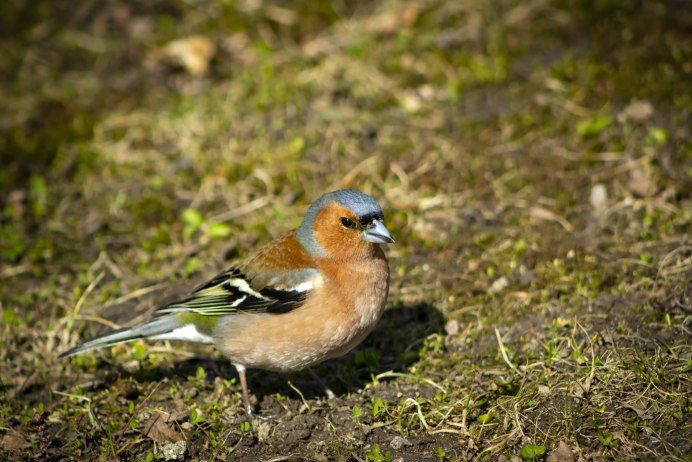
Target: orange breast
x: 340, y: 312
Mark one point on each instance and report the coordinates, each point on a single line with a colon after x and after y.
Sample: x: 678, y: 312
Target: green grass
x: 534, y: 163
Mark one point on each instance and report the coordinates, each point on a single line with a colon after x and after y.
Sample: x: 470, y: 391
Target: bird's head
x: 343, y: 223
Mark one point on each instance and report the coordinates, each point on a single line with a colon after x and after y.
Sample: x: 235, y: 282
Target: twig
x: 503, y: 351
x: 419, y: 412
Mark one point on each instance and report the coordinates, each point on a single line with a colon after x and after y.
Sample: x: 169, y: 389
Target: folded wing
x: 232, y: 291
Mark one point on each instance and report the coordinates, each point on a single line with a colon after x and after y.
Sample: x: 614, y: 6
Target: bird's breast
x: 334, y: 319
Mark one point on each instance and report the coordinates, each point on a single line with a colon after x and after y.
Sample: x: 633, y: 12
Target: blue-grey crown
x: 362, y: 205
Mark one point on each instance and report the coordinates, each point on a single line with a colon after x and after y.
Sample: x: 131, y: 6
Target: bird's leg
x: 246, y: 395
x: 327, y: 391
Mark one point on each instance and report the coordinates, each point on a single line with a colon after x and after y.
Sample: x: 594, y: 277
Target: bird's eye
x: 347, y: 222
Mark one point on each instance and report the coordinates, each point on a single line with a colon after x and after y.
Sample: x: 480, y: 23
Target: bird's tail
x: 157, y: 327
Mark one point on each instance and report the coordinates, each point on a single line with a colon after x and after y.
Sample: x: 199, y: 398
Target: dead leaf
x: 158, y: 430
x: 13, y: 441
x: 281, y: 15
x: 193, y: 53
x: 392, y: 21
x: 561, y: 453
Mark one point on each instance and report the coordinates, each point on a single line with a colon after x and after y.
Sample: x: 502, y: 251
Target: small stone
x: 452, y: 327
x: 639, y: 110
x: 174, y: 451
x: 399, y: 442
x: 499, y: 285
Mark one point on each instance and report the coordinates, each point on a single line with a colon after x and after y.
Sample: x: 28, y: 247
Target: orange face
x: 339, y: 231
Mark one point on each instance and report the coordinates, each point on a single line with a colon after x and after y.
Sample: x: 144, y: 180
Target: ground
x: 533, y: 159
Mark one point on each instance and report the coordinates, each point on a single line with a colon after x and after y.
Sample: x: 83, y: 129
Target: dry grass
x: 533, y: 160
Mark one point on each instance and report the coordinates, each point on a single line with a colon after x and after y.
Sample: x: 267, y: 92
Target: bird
x: 309, y: 295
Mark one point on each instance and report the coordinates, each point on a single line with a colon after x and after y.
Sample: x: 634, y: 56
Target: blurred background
x: 533, y: 159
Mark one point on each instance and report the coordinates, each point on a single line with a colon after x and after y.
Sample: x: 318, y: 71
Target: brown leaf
x: 158, y: 430
x: 13, y: 441
x: 561, y: 453
x: 393, y: 21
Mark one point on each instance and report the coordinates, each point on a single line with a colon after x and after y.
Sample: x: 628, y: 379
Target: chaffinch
x: 309, y: 295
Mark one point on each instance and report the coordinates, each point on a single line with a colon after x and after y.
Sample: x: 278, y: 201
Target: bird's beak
x: 378, y: 233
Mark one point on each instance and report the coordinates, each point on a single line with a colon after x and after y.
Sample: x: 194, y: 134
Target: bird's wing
x: 232, y: 291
